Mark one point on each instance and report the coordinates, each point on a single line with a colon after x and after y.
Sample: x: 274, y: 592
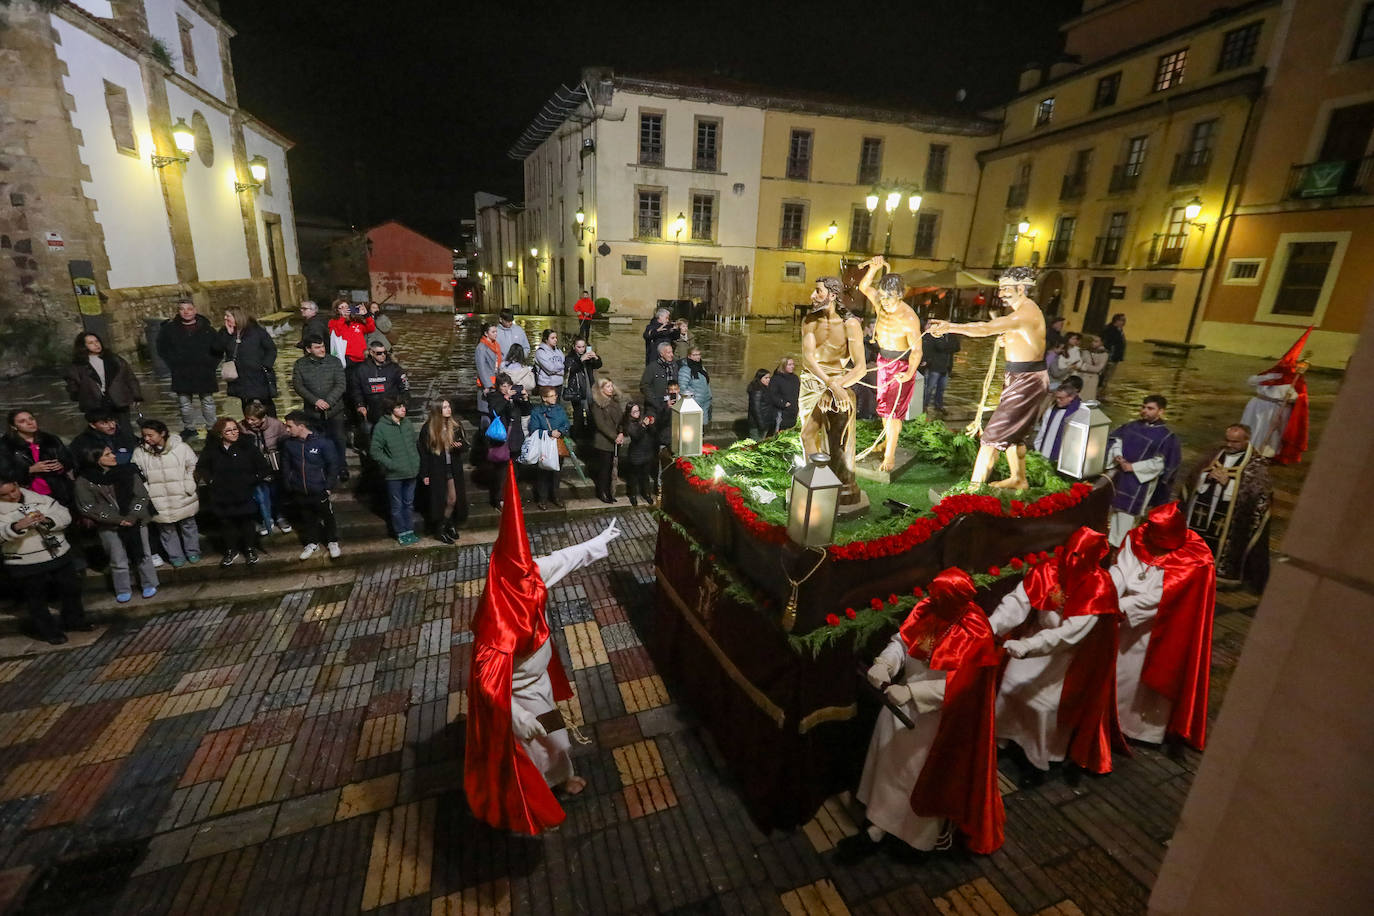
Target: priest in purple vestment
x: 1065, y: 400
x: 1147, y: 455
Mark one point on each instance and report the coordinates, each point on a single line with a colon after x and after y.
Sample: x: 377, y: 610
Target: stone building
x: 406, y: 268
x: 129, y: 175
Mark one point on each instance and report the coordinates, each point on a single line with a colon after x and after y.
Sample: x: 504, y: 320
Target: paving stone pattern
x: 303, y: 754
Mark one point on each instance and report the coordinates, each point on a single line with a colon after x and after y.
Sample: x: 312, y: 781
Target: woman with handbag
x: 250, y: 356
x: 606, y: 413
x: 114, y: 497
x: 582, y: 363
x: 267, y: 433
x: 441, y: 445
x: 231, y: 468
x: 550, y: 419
x: 504, y: 436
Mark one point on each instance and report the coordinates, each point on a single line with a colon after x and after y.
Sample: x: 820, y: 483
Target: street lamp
x: 534, y: 252
x: 914, y: 202
x: 893, y: 199
x: 184, y: 139
x: 871, y: 202
x: 1022, y: 227
x: 509, y: 264
x: 814, y: 498
x: 1191, y: 210
x: 257, y: 167
x: 678, y: 225
x: 1083, y: 450
x: 687, y: 417
x: 831, y: 231
x: 580, y: 222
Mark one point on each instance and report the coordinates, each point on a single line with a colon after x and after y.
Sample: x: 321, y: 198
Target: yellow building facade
x: 817, y: 172
x: 1111, y: 177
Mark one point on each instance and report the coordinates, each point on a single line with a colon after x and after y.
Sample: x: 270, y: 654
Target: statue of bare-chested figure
x: 832, y: 338
x: 1023, y: 392
x: 898, y: 332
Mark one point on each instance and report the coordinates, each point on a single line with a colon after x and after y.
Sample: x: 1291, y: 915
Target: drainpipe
x: 1241, y: 153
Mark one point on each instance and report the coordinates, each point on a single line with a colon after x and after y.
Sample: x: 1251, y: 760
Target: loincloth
x: 816, y: 396
x: 894, y: 398
x: 1023, y: 396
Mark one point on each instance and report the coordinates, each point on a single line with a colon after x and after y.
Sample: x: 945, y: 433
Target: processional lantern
x: 687, y: 421
x: 1083, y: 450
x: 814, y: 498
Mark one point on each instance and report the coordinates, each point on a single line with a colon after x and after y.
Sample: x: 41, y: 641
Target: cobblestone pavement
x: 302, y: 754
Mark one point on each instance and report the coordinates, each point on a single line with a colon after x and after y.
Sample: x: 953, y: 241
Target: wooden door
x: 1099, y: 303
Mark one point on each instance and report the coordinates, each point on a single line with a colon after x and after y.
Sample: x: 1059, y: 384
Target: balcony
x: 1074, y: 186
x: 1167, y: 249
x: 1017, y: 195
x: 935, y: 180
x: 799, y: 168
x: 1315, y: 180
x: 869, y: 174
x: 1107, y: 250
x: 1125, y: 178
x: 651, y: 155
x: 1191, y: 168
x: 1058, y: 252
x: 706, y: 162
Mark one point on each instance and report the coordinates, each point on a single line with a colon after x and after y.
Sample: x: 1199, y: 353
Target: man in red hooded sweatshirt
x: 517, y: 742
x: 1057, y: 699
x: 1166, y: 582
x: 941, y: 670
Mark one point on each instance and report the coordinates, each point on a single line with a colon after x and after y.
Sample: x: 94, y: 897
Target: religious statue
x: 832, y: 351
x: 1022, y: 333
x: 898, y: 335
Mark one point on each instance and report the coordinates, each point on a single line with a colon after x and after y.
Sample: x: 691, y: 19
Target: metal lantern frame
x: 813, y: 501
x: 688, y: 420
x: 1083, y: 446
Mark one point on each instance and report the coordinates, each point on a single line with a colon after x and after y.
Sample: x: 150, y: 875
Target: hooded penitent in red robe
x: 1075, y: 584
x: 1294, y: 438
x: 504, y: 787
x: 1178, y: 658
x: 959, y: 779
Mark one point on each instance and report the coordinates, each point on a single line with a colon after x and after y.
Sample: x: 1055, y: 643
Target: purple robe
x: 1051, y: 449
x: 1141, y: 441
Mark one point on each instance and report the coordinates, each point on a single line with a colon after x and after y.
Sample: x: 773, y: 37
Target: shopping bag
x: 548, y: 452
x: 498, y: 452
x: 533, y: 450
x: 496, y: 430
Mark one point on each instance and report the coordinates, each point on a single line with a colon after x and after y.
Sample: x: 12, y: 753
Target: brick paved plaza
x: 303, y: 754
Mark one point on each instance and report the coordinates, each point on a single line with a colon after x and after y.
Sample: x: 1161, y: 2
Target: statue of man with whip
x: 1022, y: 333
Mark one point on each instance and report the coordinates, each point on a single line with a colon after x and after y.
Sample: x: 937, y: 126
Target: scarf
x: 495, y: 348
x: 698, y: 371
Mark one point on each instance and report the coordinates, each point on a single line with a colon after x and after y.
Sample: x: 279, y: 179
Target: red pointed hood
x: 510, y: 616
x: 1165, y: 529
x: 1287, y: 366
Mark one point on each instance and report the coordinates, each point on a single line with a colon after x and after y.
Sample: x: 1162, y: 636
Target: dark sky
x: 404, y: 108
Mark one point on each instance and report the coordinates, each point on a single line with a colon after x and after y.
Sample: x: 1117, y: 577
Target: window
x: 1063, y: 240
x: 1157, y: 292
x: 1200, y: 141
x: 1107, y: 88
x: 1303, y: 278
x: 708, y: 145
x: 937, y: 162
x: 1364, y: 34
x: 799, y: 155
x: 188, y: 50
x: 650, y: 138
x: 1135, y: 154
x: 1238, y: 47
x: 927, y: 234
x: 793, y: 229
x: 870, y: 160
x: 1108, y: 250
x: 1044, y: 111
x: 1075, y: 182
x: 634, y: 264
x: 1018, y: 192
x: 650, y: 214
x: 860, y: 229
x: 1169, y: 71
x: 1243, y: 271
x: 121, y: 118
x: 703, y: 216
x: 793, y: 272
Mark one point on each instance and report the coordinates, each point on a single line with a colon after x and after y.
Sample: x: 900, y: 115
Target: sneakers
x: 252, y: 556
x: 443, y: 537
x: 124, y: 597
x: 406, y: 538
x: 178, y: 562
x: 263, y: 530
x: 157, y: 561
x: 149, y: 591
x: 283, y: 526
x: 309, y: 551
x: 334, y: 551
x: 193, y: 558
x: 229, y: 557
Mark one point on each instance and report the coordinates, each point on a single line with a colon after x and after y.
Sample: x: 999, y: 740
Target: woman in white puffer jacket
x: 169, y: 467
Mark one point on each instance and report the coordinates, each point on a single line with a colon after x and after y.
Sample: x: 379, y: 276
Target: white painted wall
x: 162, y: 24
x: 101, y: 8
x: 127, y: 190
x: 212, y: 204
x: 279, y: 201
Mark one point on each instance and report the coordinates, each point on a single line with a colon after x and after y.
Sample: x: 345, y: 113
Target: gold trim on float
x: 771, y: 709
x: 827, y: 714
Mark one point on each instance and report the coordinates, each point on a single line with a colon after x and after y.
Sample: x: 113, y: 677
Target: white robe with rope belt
x: 1139, y: 588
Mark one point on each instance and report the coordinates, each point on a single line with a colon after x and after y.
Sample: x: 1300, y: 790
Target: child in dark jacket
x: 548, y: 416
x: 640, y: 450
x: 310, y: 467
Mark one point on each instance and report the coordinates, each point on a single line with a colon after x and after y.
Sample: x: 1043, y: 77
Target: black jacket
x: 255, y: 355
x: 191, y: 353
x: 122, y: 443
x: 440, y: 469
x: 370, y: 382
x: 579, y: 377
x: 655, y: 335
x: 763, y: 414
x: 653, y: 384
x: 1114, y: 339
x: 643, y: 442
x: 509, y: 412
x: 230, y: 475
x: 937, y: 353
x: 315, y: 326
x: 16, y: 458
x: 309, y: 465
x: 784, y: 390
x: 121, y: 385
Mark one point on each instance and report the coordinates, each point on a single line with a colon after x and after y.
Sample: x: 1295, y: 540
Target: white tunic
x: 1267, y: 413
x: 531, y: 688
x: 1028, y: 699
x: 896, y: 753
x: 1139, y: 587
x: 1147, y: 471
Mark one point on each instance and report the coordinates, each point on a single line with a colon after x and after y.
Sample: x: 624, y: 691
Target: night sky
x: 402, y: 109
